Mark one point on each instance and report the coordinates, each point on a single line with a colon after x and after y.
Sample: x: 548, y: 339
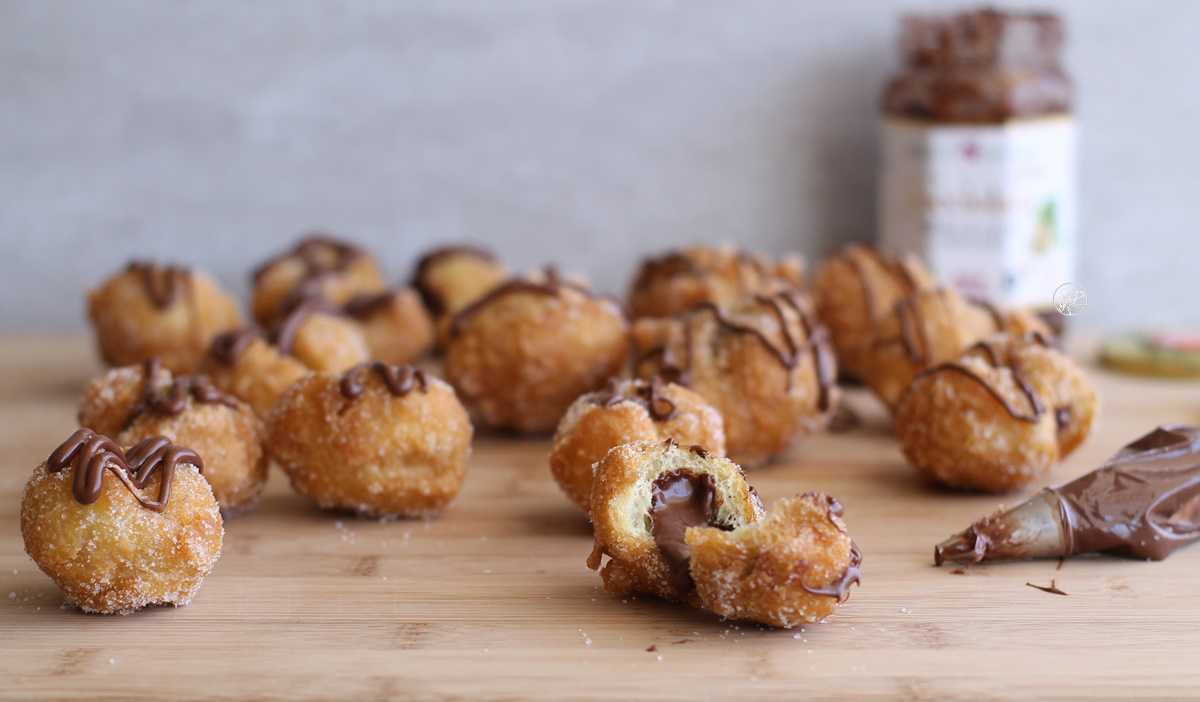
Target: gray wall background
x: 582, y: 132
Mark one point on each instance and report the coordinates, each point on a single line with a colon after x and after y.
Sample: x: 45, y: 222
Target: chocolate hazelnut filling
x: 679, y: 501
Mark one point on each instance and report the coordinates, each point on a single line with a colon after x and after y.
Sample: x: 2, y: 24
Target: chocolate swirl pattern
x: 399, y: 380
x: 163, y: 284
x: 227, y: 348
x: 173, y: 399
x: 789, y: 354
x: 90, y: 454
x: 318, y: 254
x: 648, y: 394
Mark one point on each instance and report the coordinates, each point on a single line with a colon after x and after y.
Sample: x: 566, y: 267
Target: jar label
x: 990, y: 207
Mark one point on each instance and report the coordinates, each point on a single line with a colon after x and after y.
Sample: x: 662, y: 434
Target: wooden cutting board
x: 493, y: 599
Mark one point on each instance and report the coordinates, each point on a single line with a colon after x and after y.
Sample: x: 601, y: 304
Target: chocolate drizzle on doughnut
x: 648, y: 394
x: 364, y: 307
x: 319, y: 254
x: 173, y: 399
x: 227, y: 348
x: 552, y: 286
x: 285, y: 332
x: 90, y: 454
x: 433, y: 301
x: 399, y: 380
x: 162, y: 284
x: 896, y: 265
x: 840, y: 586
x: 1037, y: 408
x: 789, y: 355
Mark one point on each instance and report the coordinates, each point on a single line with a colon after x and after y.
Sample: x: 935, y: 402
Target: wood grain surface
x: 493, y: 599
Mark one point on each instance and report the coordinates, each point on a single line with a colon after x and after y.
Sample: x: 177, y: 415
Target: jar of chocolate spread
x: 978, y: 163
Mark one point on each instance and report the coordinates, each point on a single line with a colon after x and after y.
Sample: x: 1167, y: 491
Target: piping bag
x: 1143, y: 503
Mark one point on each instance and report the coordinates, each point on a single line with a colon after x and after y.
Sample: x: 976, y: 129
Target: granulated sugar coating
x: 375, y: 452
x: 116, y: 556
x: 997, y: 418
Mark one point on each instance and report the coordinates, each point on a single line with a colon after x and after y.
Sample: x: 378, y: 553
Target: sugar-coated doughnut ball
x: 321, y: 337
x: 379, y: 440
x: 394, y: 324
x: 628, y: 410
x: 927, y: 328
x: 722, y: 275
x: 766, y: 364
x: 520, y: 356
x: 998, y: 417
x: 318, y: 267
x: 244, y: 364
x: 682, y: 524
x: 452, y: 278
x: 118, y: 530
x: 145, y: 400
x: 855, y: 289
x: 165, y: 311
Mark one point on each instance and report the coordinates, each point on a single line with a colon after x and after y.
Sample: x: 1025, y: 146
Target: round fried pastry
x: 629, y: 410
x: 521, y: 355
x: 722, y: 275
x: 765, y: 364
x: 318, y: 267
x: 165, y: 311
x: 118, y: 531
x: 379, y: 440
x: 853, y: 290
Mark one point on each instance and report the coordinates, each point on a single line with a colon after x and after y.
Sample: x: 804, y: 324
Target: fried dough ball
x: 681, y: 524
x: 998, y: 417
x: 145, y: 400
x: 452, y: 278
x: 380, y: 440
x: 165, y: 311
x: 243, y: 364
x: 142, y: 529
x: 521, y: 355
x: 792, y: 567
x: 321, y: 337
x: 629, y: 410
x: 765, y: 364
x: 931, y: 327
x: 678, y: 281
x: 855, y: 289
x: 394, y: 324
x: 319, y: 267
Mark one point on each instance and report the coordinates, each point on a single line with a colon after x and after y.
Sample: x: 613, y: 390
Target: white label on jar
x: 991, y: 208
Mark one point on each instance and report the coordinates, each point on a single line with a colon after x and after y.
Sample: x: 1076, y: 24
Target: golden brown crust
x: 928, y: 328
x: 330, y: 343
x: 377, y: 454
x: 317, y: 267
x: 452, y: 278
x: 596, y: 422
x: 853, y: 290
x: 520, y: 358
x: 258, y: 376
x: 989, y: 420
x: 230, y: 440
x: 678, y: 281
x: 227, y: 434
x: 783, y: 569
x: 765, y: 364
x: 621, y: 500
x: 115, y: 556
x: 792, y: 567
x: 398, y: 330
x: 130, y: 327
